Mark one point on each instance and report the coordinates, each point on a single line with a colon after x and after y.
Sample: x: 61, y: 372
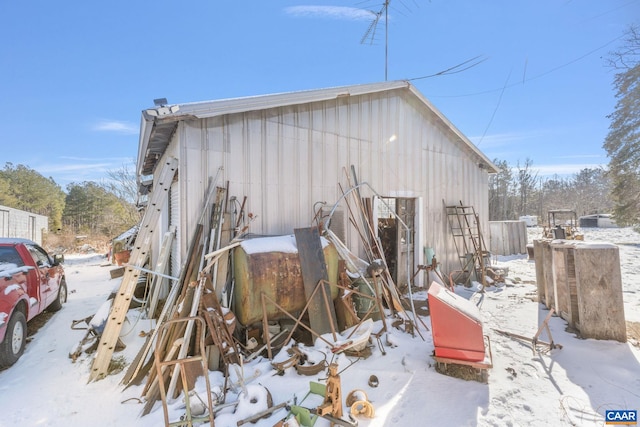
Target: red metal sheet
x: 455, y: 325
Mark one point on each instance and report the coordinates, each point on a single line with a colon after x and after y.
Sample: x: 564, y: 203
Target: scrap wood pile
x: 194, y: 332
x: 192, y: 318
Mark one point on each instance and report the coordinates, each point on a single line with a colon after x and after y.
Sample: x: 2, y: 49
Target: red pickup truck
x: 30, y: 281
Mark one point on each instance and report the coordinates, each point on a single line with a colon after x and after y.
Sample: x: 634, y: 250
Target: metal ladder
x: 464, y: 223
x: 139, y: 255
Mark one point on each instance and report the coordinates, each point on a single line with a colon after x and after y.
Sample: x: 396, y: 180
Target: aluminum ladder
x: 139, y: 256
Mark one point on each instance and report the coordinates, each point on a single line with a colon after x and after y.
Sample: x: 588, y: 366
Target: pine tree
x: 27, y: 190
x: 623, y: 141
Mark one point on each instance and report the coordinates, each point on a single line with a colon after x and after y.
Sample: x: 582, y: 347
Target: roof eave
x: 168, y: 114
x: 146, y: 124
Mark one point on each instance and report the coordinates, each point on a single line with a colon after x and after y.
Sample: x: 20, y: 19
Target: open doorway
x: 398, y: 241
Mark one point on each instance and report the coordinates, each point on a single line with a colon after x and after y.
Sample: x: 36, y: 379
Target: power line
x: 450, y: 70
x: 495, y: 110
x: 534, y: 77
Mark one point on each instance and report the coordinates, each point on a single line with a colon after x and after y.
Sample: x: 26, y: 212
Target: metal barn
x: 22, y: 224
x: 292, y: 156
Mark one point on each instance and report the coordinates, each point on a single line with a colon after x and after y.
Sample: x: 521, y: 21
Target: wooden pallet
x: 467, y: 369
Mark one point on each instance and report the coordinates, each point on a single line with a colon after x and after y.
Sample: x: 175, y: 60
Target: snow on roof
x: 15, y: 240
x: 127, y: 234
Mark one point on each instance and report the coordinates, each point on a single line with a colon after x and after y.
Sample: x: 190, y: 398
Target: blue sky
x: 75, y: 75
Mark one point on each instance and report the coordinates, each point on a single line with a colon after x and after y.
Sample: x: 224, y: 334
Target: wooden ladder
x: 139, y: 255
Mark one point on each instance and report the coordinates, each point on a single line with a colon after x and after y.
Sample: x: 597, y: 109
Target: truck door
x: 48, y: 276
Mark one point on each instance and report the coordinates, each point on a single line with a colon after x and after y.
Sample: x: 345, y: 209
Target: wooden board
x: 116, y: 272
x: 541, y: 278
x: 547, y: 259
x: 322, y: 315
x: 222, y: 268
x: 563, y: 270
x: 599, y: 292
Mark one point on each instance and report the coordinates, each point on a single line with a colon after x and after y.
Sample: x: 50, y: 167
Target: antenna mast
x: 371, y: 32
x: 386, y: 37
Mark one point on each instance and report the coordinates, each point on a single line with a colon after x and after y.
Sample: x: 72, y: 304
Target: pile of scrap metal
x: 235, y: 301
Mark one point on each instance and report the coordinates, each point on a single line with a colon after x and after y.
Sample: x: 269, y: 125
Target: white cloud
x: 334, y: 12
x: 111, y: 160
x: 564, y: 169
x: 79, y: 169
x: 581, y: 156
x: 76, y: 167
x: 115, y: 126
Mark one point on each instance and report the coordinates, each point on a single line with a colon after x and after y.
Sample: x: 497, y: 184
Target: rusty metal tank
x: 270, y: 265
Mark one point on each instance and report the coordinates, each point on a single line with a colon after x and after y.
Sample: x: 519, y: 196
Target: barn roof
x: 159, y: 123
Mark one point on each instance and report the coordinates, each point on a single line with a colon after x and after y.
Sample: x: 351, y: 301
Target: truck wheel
x: 13, y: 345
x: 62, y: 297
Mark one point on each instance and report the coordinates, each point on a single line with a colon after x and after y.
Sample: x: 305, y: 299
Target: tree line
x: 518, y: 190
x: 108, y: 208
x: 98, y: 209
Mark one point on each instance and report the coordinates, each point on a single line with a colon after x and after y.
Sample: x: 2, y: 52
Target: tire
x: 14, y: 341
x: 139, y: 297
x: 61, y: 298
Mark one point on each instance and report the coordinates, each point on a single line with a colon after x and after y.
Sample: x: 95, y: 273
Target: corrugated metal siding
x: 22, y: 224
x: 287, y: 158
x: 174, y: 220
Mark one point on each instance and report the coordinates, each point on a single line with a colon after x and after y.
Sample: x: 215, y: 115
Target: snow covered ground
x: 573, y: 385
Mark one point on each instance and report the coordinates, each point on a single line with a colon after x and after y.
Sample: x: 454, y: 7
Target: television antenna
x: 371, y: 32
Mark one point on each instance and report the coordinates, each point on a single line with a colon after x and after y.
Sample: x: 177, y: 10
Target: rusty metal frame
x: 298, y: 320
x: 160, y: 367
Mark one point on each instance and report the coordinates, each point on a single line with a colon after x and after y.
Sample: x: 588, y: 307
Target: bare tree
x: 628, y: 56
x: 527, y: 181
x: 122, y: 183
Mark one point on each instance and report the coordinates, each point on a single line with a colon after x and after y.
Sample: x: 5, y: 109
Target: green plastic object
x: 303, y: 415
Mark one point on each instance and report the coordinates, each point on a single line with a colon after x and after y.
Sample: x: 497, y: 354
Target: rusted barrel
x: 270, y: 265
